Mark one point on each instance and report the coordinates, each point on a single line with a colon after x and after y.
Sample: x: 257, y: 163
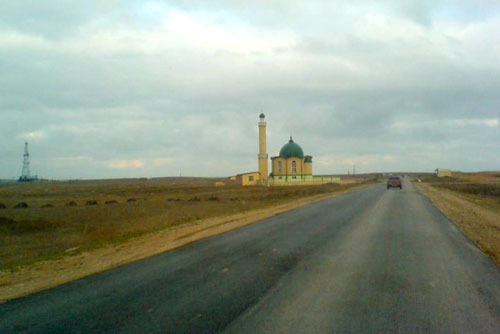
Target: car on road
x: 394, y: 182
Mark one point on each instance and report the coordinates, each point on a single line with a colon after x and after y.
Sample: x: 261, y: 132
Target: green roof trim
x: 291, y: 149
x: 308, y: 158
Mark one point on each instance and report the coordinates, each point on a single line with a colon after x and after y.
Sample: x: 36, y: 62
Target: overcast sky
x: 135, y: 88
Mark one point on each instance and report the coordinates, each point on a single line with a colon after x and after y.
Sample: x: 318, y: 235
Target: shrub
x: 132, y: 200
x: 111, y: 202
x: 213, y: 198
x: 91, y: 202
x: 174, y: 200
x: 3, y: 206
x: 48, y: 205
x: 71, y: 203
x: 195, y: 199
x: 21, y: 205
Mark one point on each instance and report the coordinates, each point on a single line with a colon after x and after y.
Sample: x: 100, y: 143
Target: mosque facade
x: 290, y: 167
x: 291, y: 164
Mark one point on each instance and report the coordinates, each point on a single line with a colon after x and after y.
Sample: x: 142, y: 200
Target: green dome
x: 291, y: 150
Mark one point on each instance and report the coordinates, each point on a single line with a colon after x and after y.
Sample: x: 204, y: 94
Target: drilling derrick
x: 26, y: 174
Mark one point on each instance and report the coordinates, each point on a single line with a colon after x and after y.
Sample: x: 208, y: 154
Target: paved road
x: 374, y: 260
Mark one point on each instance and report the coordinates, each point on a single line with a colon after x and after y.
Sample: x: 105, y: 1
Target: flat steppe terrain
x: 63, y: 218
x: 369, y: 260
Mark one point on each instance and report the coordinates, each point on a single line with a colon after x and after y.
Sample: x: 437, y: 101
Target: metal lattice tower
x: 26, y: 174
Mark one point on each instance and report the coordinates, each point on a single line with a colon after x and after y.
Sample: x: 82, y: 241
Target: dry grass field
x: 481, y: 177
x: 481, y: 188
x: 472, y: 200
x: 63, y: 218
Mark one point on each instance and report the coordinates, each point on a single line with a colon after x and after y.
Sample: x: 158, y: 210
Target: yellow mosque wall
x: 287, y: 166
x: 308, y: 168
x: 248, y: 179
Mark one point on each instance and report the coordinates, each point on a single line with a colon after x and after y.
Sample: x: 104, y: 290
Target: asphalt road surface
x: 373, y: 260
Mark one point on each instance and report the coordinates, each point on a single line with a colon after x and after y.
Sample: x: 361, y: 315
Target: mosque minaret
x: 263, y: 157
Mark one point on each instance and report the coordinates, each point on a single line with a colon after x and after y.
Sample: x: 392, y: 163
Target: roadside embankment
x: 46, y: 274
x: 476, y: 216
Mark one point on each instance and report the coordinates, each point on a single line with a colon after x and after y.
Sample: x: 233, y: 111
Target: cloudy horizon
x: 111, y: 89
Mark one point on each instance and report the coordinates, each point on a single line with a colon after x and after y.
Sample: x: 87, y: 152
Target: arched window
x: 279, y: 166
x: 294, y: 166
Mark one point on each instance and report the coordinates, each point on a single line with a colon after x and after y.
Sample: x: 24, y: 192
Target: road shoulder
x: 480, y: 224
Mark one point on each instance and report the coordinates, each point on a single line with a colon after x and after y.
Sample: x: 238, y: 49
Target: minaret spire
x: 262, y: 157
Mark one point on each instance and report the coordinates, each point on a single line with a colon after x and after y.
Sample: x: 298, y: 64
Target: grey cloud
x: 91, y: 92
x: 50, y: 18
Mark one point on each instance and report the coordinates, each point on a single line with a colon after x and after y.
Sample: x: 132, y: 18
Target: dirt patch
x: 41, y: 275
x: 480, y: 222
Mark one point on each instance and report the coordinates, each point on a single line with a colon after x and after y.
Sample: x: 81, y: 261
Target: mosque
x: 290, y: 167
